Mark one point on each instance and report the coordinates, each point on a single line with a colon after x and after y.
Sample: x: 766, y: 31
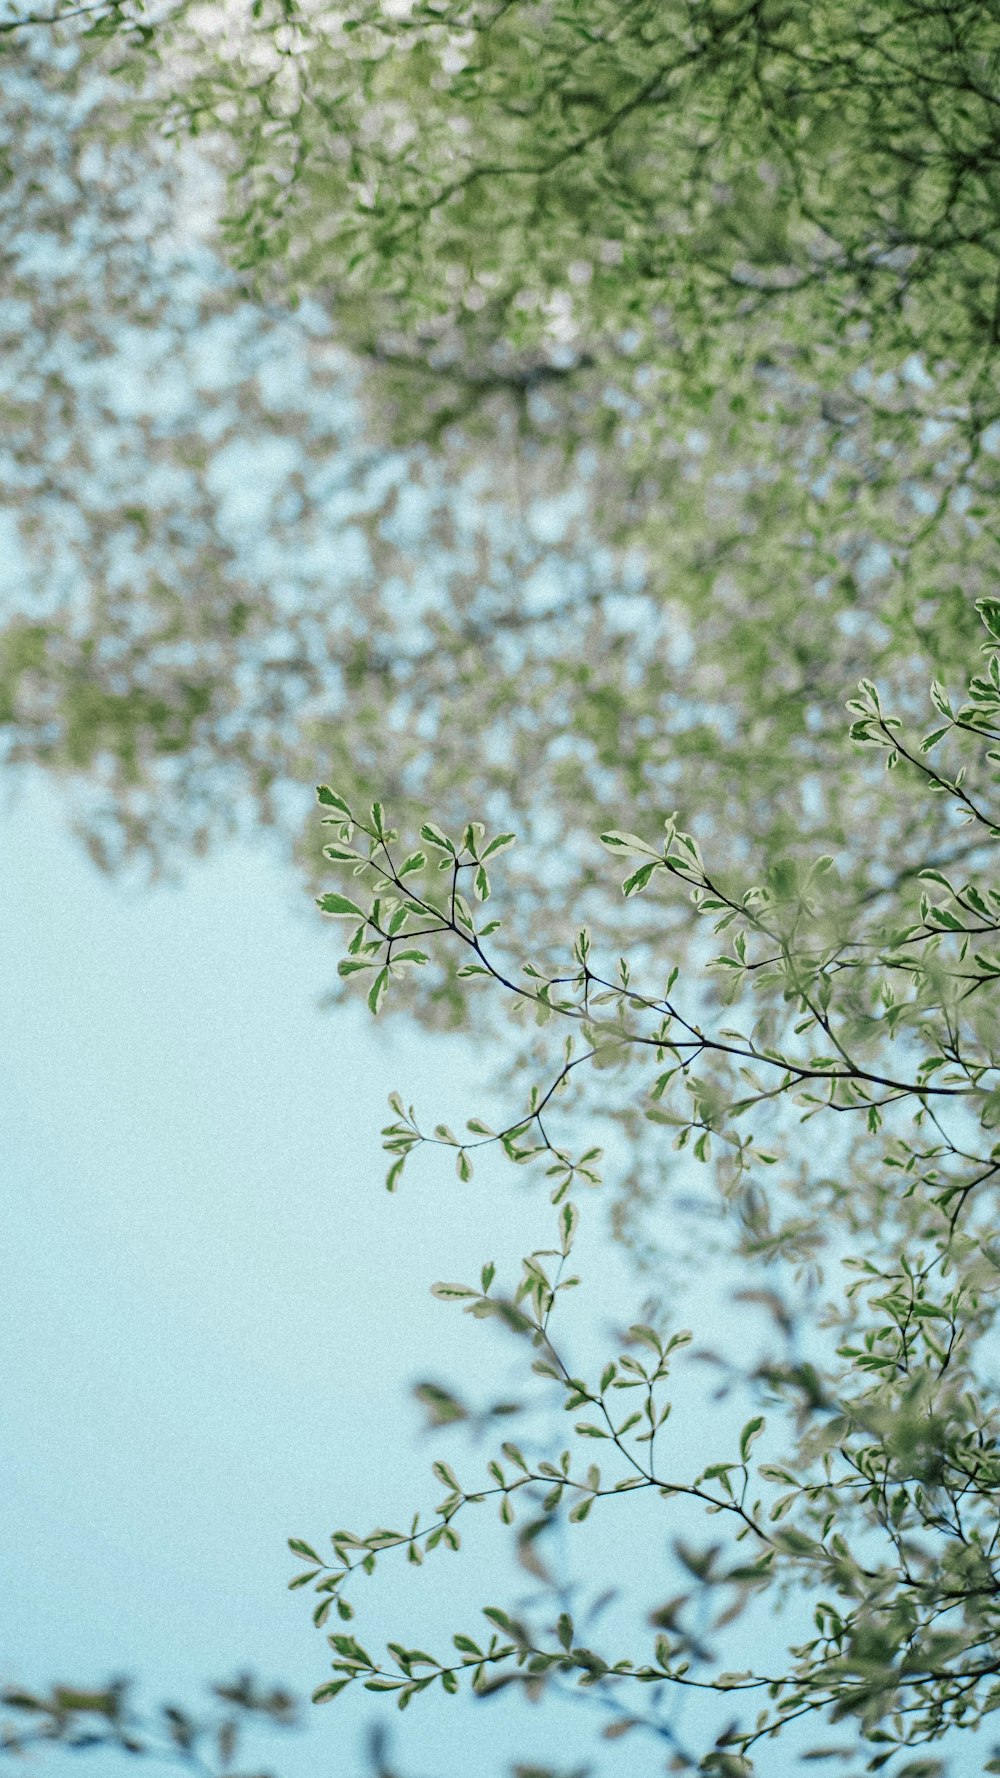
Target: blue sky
x: 213, y: 1313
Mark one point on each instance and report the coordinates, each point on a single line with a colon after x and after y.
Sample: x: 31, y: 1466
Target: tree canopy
x: 520, y: 173
x: 651, y: 519
x: 592, y: 542
x: 680, y: 324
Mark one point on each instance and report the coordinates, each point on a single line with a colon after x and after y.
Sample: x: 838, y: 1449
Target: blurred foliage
x: 79, y: 1720
x: 638, y: 534
x: 597, y: 542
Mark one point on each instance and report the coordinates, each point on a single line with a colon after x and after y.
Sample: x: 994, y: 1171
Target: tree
x: 491, y: 173
x: 635, y: 222
x: 780, y: 356
x: 874, y: 1518
x: 781, y: 439
x: 183, y: 650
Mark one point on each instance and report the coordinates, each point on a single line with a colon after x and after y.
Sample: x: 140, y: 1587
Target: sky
x: 213, y: 1313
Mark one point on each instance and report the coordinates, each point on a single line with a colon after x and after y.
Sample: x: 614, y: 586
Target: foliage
x: 651, y: 519
x: 609, y: 226
x: 458, y: 159
x: 634, y: 567
x: 713, y: 286
x: 877, y: 1510
x: 220, y: 584
x: 82, y: 1721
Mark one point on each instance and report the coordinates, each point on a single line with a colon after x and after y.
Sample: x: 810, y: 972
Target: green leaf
x: 751, y: 1432
x: 351, y: 966
x: 638, y: 880
x: 989, y: 611
x: 616, y: 841
x: 377, y: 991
x: 340, y: 907
x: 351, y: 1650
x: 324, y: 1693
x: 435, y: 836
x: 569, y: 1218
x: 299, y: 1548
x: 466, y: 1646
x: 501, y: 843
